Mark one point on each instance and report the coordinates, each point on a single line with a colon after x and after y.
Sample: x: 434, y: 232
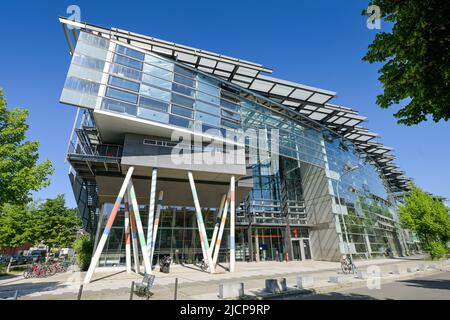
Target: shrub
x: 83, y: 247
x: 436, y: 249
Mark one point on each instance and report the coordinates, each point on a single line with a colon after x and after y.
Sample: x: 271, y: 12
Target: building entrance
x: 301, y: 249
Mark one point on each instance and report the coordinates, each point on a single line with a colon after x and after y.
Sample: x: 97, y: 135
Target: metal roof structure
x: 311, y: 102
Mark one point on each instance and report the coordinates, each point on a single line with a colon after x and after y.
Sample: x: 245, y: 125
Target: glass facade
x: 116, y: 78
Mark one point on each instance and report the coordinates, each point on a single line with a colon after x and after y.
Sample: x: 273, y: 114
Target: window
x: 81, y: 85
x: 88, y: 62
x: 182, y: 111
x: 153, y: 104
x: 121, y: 95
x: 183, y: 90
x: 125, y: 84
x: 209, y: 89
x: 208, y: 98
x: 153, y: 115
x: 228, y: 105
x: 183, y: 80
x: 158, y: 62
x: 205, y: 107
x: 128, y: 62
x: 207, y: 118
x: 156, y: 82
x: 155, y: 93
x: 230, y: 124
x: 125, y: 72
x: 130, y: 52
x: 231, y: 115
x: 94, y: 40
x: 180, y: 122
x: 184, y: 101
x: 158, y: 72
x: 118, y: 106
x: 184, y: 71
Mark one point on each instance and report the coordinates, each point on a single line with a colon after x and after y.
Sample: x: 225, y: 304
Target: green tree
x: 416, y: 57
x: 429, y: 218
x: 54, y: 224
x: 19, y: 172
x: 83, y: 247
x: 15, y: 222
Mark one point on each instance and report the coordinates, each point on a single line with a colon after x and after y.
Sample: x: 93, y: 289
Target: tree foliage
x: 19, y: 172
x: 49, y: 222
x: 15, y: 223
x: 429, y: 218
x: 416, y: 57
x: 54, y: 224
x: 83, y: 247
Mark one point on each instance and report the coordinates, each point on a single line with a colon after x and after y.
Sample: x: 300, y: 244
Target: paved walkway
x: 114, y: 283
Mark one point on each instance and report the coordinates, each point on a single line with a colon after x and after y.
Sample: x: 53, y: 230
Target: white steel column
x: 216, y: 227
x: 127, y: 236
x: 140, y: 229
x: 155, y: 225
x: 201, y: 226
x: 151, y: 214
x: 232, y: 224
x: 134, y: 240
x: 222, y: 226
x: 106, y: 231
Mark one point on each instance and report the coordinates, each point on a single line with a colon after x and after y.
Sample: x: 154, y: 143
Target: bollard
x: 132, y: 290
x: 231, y: 290
x: 272, y: 286
x: 176, y: 289
x: 16, y: 294
x: 80, y: 292
x: 304, y: 282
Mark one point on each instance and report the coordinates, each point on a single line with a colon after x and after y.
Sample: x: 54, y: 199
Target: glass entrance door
x: 306, y: 249
x: 297, y: 250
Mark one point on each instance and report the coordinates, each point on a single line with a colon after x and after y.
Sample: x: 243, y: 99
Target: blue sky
x: 318, y: 43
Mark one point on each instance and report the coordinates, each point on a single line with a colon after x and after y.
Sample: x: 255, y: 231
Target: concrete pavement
x: 194, y: 284
x: 434, y: 286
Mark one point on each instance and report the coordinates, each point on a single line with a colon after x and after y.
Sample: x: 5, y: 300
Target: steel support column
x: 140, y: 229
x: 107, y: 230
x: 156, y: 224
x: 151, y: 213
x: 232, y: 225
x: 201, y: 226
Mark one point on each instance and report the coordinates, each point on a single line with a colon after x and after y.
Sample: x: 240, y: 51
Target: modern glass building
x: 311, y: 181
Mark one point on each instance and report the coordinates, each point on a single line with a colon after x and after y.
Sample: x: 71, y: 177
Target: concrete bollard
x: 272, y: 286
x: 434, y: 266
x: 411, y: 269
x: 396, y: 269
x: 420, y: 267
x: 361, y: 274
x: 231, y: 290
x: 283, y: 284
x: 337, y: 279
x: 304, y: 282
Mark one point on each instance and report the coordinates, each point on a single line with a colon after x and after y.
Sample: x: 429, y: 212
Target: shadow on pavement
x: 8, y: 291
x: 331, y: 296
x: 429, y: 284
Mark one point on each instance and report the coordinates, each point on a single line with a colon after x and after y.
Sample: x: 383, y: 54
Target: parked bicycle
x: 43, y: 270
x: 347, y: 265
x: 204, y: 265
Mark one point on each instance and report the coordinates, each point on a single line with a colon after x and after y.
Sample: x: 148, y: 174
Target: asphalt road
x: 432, y: 287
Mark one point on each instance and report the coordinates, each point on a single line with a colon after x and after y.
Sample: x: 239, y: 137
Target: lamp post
x: 348, y: 168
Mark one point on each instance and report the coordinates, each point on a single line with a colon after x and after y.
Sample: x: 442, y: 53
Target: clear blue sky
x: 318, y: 43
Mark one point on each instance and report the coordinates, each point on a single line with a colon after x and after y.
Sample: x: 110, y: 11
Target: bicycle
x: 347, y: 265
x: 204, y: 265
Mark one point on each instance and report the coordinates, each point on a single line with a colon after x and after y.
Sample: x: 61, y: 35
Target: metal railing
x: 101, y: 150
